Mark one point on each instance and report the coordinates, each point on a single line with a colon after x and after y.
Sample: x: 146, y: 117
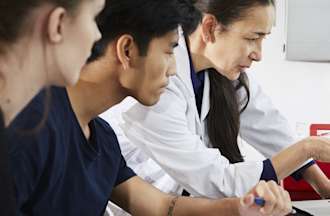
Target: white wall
x: 301, y: 90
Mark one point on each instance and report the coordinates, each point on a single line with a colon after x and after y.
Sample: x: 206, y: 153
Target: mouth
x: 163, y: 88
x: 244, y: 67
x: 165, y: 84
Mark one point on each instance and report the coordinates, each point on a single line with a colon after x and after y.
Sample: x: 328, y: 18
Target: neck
x: 91, y: 97
x: 21, y: 79
x: 197, y: 49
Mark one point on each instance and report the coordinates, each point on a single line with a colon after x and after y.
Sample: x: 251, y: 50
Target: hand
x: 278, y: 202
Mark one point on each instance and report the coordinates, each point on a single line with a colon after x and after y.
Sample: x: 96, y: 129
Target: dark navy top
x: 7, y: 195
x: 56, y: 170
x: 268, y: 172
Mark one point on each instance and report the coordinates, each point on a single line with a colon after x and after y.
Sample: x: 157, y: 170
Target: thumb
x: 247, y: 200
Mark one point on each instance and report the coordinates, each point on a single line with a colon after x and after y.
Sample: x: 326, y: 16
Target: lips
x: 165, y: 84
x: 245, y: 66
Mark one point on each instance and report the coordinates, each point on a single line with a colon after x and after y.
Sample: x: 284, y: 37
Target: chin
x: 68, y: 79
x: 234, y: 76
x: 149, y: 101
x: 73, y: 81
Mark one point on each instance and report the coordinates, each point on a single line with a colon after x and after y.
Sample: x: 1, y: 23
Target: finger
x: 269, y: 198
x: 279, y: 204
x: 247, y: 201
x: 288, y: 204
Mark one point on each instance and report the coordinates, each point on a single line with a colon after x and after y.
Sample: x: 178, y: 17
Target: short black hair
x: 143, y: 19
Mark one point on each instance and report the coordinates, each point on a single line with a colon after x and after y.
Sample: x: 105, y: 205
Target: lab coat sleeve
x: 163, y: 134
x: 262, y: 125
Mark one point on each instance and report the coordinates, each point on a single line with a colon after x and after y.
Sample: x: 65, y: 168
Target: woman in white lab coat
x: 192, y: 132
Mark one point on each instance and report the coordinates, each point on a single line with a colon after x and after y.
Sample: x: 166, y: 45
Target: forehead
x: 92, y: 4
x: 258, y: 19
x: 168, y: 40
x: 171, y: 36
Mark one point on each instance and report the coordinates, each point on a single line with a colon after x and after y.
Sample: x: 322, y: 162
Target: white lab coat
x: 172, y: 134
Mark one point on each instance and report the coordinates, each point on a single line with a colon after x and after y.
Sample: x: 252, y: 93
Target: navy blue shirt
x: 57, y: 171
x: 268, y: 172
x: 197, y: 80
x: 7, y: 195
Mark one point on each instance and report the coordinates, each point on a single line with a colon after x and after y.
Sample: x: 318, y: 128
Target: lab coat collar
x: 183, y: 64
x: 183, y: 72
x: 206, y: 97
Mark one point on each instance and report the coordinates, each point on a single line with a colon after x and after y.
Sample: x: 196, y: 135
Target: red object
x: 302, y: 190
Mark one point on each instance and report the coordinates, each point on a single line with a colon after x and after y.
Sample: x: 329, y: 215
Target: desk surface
x: 315, y: 207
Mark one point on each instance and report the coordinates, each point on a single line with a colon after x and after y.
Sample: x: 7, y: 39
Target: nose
x: 256, y: 54
x: 172, y: 67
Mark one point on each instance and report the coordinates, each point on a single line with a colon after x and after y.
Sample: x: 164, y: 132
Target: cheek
x: 158, y: 72
x: 245, y: 50
x: 238, y: 55
x: 89, y: 35
x: 86, y: 32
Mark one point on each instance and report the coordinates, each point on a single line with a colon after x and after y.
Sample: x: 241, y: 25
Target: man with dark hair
x: 73, y: 165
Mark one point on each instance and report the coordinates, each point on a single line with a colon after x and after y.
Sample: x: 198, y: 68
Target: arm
x: 165, y: 133
x: 295, y: 155
x: 318, y: 180
x: 128, y: 196
x: 264, y: 127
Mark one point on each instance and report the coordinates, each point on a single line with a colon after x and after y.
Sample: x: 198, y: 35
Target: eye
x: 251, y: 39
x: 170, y: 52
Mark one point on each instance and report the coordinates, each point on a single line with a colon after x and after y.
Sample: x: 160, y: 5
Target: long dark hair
x: 223, y: 119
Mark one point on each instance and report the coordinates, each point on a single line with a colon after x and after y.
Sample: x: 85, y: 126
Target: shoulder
x: 103, y: 126
x: 43, y: 104
x: 106, y: 135
x: 37, y: 125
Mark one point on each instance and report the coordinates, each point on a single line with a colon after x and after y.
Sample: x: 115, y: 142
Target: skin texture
x: 51, y: 51
x: 231, y: 49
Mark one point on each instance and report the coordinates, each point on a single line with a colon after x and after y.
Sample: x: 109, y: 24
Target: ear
x: 55, y: 25
x: 125, y: 50
x: 209, y: 24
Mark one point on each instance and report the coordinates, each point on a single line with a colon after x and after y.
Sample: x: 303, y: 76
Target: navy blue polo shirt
x: 56, y: 170
x: 268, y: 172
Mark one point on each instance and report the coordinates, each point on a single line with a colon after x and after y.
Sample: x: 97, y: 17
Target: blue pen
x: 261, y: 202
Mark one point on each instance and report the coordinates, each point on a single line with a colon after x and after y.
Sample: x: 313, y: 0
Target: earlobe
x: 55, y: 25
x: 125, y: 49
